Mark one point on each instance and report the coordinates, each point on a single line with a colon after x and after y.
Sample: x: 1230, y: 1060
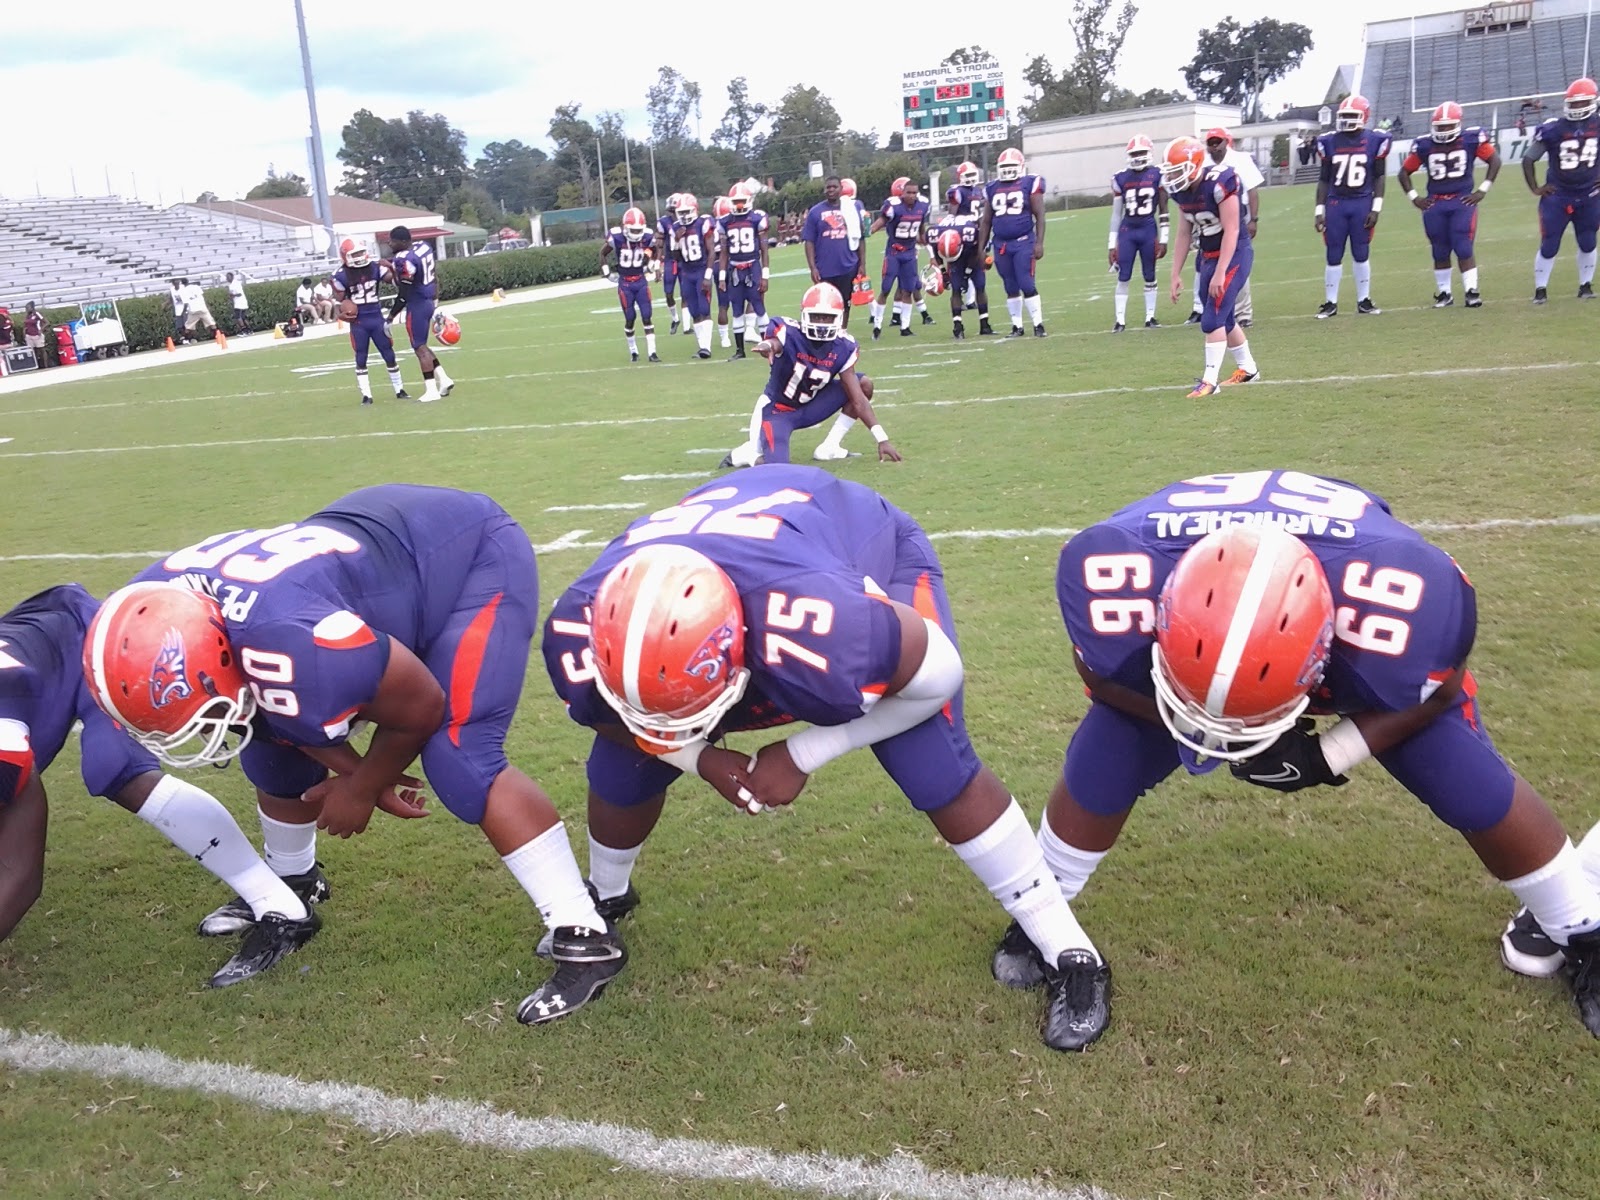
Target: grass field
x: 1309, y: 1001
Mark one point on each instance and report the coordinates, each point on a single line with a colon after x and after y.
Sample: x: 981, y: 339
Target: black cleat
x: 1016, y: 332
x: 984, y: 328
x: 613, y: 908
x: 633, y: 356
x: 269, y: 939
x: 1118, y: 327
x: 1194, y: 318
x: 1474, y: 300
x: 402, y: 394
x: 877, y: 332
x: 1017, y: 962
x: 655, y: 358
x: 1528, y: 950
x: 702, y: 354
x: 1078, y: 1001
x: 236, y: 916
x: 1540, y: 295
x: 1152, y: 323
x: 1366, y: 308
x: 1583, y: 973
x: 586, y: 960
x: 907, y: 331
x: 1586, y: 291
x: 674, y: 327
x: 927, y: 318
x: 1328, y: 309
x: 1246, y: 322
x: 894, y: 318
x: 1445, y: 299
x: 736, y: 356
x: 1038, y: 331
x: 366, y: 400
x: 957, y: 332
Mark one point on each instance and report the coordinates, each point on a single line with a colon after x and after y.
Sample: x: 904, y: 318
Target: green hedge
x: 147, y: 320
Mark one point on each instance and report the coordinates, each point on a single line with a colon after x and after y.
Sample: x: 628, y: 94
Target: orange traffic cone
x: 222, y: 342
x: 170, y: 346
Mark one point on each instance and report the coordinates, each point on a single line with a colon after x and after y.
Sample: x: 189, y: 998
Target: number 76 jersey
x: 1404, y: 614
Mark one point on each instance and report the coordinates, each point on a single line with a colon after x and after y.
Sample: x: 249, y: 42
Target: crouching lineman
x: 1139, y: 227
x: 784, y: 594
x: 813, y: 377
x: 410, y: 608
x: 42, y: 695
x: 1209, y: 198
x: 1198, y: 650
x: 633, y: 245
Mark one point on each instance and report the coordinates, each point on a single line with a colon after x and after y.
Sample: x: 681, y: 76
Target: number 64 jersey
x: 1404, y: 614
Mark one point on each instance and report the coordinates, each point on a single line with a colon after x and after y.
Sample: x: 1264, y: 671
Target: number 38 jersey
x: 1573, y: 151
x: 310, y: 606
x: 1352, y: 162
x: 1404, y: 614
x: 802, y: 368
x: 1450, y: 164
x: 809, y: 554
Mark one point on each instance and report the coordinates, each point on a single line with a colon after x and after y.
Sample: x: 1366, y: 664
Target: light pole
x: 319, y: 172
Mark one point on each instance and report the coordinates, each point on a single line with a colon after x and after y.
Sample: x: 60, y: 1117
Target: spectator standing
x: 834, y: 240
x: 304, y: 301
x: 8, y: 332
x: 322, y: 299
x: 195, y: 309
x: 241, y: 304
x: 176, y: 296
x: 33, y: 333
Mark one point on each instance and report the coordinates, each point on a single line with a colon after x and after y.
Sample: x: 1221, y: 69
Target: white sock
x: 649, y: 339
x: 610, y: 868
x: 835, y: 441
x: 1150, y: 294
x: 1214, y: 352
x: 970, y: 296
x: 1035, y: 308
x: 395, y: 381
x: 364, y: 384
x: 1071, y: 866
x: 1589, y: 853
x: 430, y: 390
x: 633, y: 344
x: 549, y: 874
x: 196, y: 823
x: 440, y: 377
x: 1121, y: 302
x: 1242, y: 356
x: 1586, y: 260
x: 1560, y: 896
x: 1542, y: 267
x: 752, y: 329
x: 922, y: 305
x: 904, y: 311
x: 1441, y: 280
x: 1014, y: 307
x: 1363, y: 276
x: 702, y: 334
x: 1469, y: 279
x: 722, y: 329
x: 1330, y: 283
x: 875, y: 311
x: 1007, y: 860
x: 289, y: 849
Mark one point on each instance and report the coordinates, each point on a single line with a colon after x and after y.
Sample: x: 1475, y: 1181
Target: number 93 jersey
x: 1404, y: 614
x: 802, y: 368
x: 811, y: 556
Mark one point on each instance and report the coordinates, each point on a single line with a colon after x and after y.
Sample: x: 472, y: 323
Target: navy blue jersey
x: 360, y: 284
x: 1352, y: 162
x: 1450, y: 165
x: 1138, y: 191
x: 414, y: 271
x: 742, y: 234
x: 965, y: 225
x: 969, y: 199
x: 904, y: 223
x: 631, y: 256
x: 801, y: 368
x: 691, y: 244
x: 1010, y: 203
x: 1202, y: 204
x: 1573, y: 151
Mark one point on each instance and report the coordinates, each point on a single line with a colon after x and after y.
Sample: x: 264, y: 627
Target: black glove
x: 1293, y: 762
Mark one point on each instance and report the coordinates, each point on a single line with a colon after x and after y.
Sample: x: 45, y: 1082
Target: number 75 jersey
x: 1404, y: 614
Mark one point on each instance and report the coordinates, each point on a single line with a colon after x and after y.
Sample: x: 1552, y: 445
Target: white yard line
x: 599, y: 507
x: 667, y: 475
x: 477, y: 1124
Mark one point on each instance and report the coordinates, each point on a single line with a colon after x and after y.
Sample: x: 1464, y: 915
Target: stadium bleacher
x: 59, y: 251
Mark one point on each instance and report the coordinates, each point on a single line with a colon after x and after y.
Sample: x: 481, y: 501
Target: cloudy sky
x: 168, y: 112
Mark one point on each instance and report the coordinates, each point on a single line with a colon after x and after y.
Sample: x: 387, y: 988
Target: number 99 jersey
x: 1404, y: 614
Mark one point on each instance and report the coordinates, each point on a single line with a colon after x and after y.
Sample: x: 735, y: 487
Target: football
x: 347, y: 310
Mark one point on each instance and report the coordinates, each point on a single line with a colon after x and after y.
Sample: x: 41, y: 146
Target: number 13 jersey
x: 1404, y: 614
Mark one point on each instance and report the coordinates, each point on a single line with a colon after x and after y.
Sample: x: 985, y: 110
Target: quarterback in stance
x: 783, y: 594
x: 813, y: 377
x: 42, y: 695
x: 1349, y: 199
x: 355, y: 290
x: 1209, y: 619
x: 409, y: 608
x: 633, y: 246
x: 1139, y: 228
x: 1210, y: 201
x: 1450, y: 154
x: 1570, y: 193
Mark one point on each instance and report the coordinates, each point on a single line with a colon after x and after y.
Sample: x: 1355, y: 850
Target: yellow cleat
x: 1202, y: 389
x: 1240, y: 376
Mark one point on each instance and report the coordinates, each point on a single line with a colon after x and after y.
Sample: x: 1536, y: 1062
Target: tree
x: 669, y: 101
x: 966, y: 56
x: 471, y: 204
x: 510, y: 173
x: 1086, y: 86
x: 418, y: 159
x: 1234, y: 63
x: 803, y: 126
x: 206, y: 198
x: 574, y: 139
x: 737, y: 131
x: 278, y: 187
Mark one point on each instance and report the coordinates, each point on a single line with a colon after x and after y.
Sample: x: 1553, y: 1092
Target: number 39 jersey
x: 1404, y: 614
x: 1352, y: 162
x: 807, y: 552
x: 801, y: 368
x: 310, y: 606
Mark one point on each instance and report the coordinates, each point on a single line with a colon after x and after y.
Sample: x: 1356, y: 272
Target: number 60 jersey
x: 1404, y: 614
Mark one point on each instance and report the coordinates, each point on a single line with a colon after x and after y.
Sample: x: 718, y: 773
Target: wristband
x: 1377, y: 204
x: 1320, y: 210
x: 1112, y: 243
x: 1412, y: 194
x: 686, y: 758
x: 1486, y: 185
x: 878, y: 435
x: 1343, y: 747
x: 766, y: 272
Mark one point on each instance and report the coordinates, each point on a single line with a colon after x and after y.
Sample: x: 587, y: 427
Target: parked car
x: 499, y: 244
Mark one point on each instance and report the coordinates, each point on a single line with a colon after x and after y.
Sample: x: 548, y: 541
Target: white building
x: 1079, y: 155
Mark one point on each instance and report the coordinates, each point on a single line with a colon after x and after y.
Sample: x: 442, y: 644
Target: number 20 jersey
x: 1404, y: 614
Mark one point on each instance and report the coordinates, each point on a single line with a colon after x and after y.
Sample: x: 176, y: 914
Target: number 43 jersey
x: 1404, y: 614
x: 810, y: 555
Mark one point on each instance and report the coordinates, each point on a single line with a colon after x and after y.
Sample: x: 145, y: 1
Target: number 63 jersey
x: 811, y: 556
x: 1404, y: 614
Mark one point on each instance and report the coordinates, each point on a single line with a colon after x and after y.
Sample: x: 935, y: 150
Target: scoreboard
x: 953, y: 106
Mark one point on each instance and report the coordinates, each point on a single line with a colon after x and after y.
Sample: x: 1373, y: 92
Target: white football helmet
x: 821, y: 312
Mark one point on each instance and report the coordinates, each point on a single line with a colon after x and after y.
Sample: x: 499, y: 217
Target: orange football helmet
x: 1140, y: 151
x: 1353, y: 115
x: 899, y: 185
x: 949, y: 245
x: 1446, y: 122
x: 1244, y: 628
x: 1182, y: 164
x: 446, y: 328
x: 1010, y: 164
x: 821, y: 312
x: 933, y: 280
x: 968, y: 175
x: 741, y: 198
x: 668, y: 644
x: 1582, y: 100
x: 721, y: 207
x: 158, y: 659
x: 353, y: 253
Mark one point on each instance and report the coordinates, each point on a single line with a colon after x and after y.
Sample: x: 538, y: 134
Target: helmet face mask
x: 354, y: 254
x: 1010, y: 166
x: 968, y: 175
x: 1182, y: 164
x: 634, y: 226
x: 821, y: 312
x: 686, y: 209
x: 1581, y: 101
x: 1140, y: 151
x: 740, y: 199
x: 1353, y: 114
x: 1445, y: 125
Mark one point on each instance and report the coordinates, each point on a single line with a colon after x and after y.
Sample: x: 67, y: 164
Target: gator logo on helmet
x: 1311, y: 671
x: 169, y: 674
x: 711, y: 657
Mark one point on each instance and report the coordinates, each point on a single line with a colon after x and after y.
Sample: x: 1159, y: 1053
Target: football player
x: 720, y: 207
x: 355, y: 291
x: 968, y: 190
x: 784, y: 594
x: 1209, y: 197
x: 1219, y: 146
x: 410, y: 608
x: 742, y: 256
x: 813, y: 377
x: 1450, y: 155
x: 666, y: 238
x: 692, y: 248
x: 953, y: 239
x: 634, y: 246
x: 1349, y: 199
x: 42, y: 696
x: 1139, y: 227
x: 886, y: 284
x: 1208, y: 619
x: 417, y: 293
x: 1570, y: 194
x: 905, y: 215
x: 1013, y: 218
